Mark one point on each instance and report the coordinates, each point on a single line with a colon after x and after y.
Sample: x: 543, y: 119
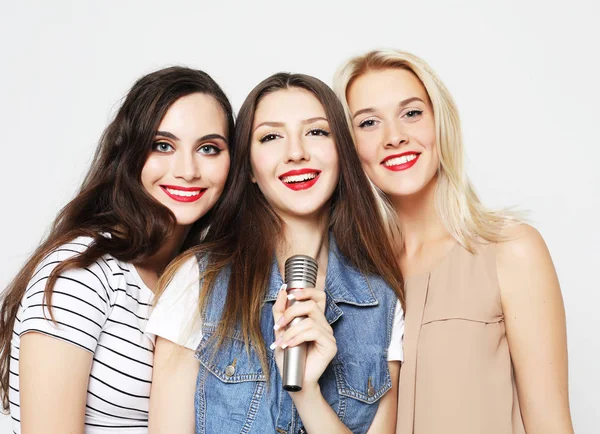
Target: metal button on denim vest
x: 233, y: 394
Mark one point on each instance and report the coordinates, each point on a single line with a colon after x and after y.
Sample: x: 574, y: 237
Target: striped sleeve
x: 80, y: 301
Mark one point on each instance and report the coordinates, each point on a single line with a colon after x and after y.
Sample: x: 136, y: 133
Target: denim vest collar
x: 343, y: 284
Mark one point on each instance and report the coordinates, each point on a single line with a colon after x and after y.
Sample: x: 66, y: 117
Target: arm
x: 315, y: 412
x: 53, y: 380
x: 175, y: 321
x: 55, y: 359
x: 536, y: 330
x: 173, y: 389
x: 385, y: 418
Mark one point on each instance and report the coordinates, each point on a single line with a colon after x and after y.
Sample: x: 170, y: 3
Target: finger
x: 278, y: 308
x: 303, y: 326
x: 325, y: 343
x: 306, y: 308
x: 280, y: 303
x: 310, y: 294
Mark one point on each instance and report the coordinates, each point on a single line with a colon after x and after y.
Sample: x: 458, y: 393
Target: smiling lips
x: 399, y: 162
x: 301, y: 179
x: 183, y: 194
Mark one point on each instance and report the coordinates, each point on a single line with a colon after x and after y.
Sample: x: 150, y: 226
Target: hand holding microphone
x: 304, y: 339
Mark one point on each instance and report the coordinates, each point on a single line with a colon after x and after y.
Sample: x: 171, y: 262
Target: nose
x: 296, y: 150
x: 395, y: 135
x: 186, y: 166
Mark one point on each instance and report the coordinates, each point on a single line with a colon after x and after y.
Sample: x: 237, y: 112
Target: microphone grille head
x: 301, y: 272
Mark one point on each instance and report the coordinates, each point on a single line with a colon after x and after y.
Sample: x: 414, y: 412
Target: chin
x: 187, y: 220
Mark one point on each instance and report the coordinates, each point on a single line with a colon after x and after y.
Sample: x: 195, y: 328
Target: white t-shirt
x: 102, y: 309
x: 175, y: 317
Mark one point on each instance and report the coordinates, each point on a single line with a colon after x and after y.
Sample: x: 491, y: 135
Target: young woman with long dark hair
x: 296, y: 187
x: 73, y: 353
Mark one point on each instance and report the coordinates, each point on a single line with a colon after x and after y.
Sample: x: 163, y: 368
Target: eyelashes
x: 162, y: 147
x: 209, y: 150
x: 410, y: 116
x: 319, y: 132
x: 269, y: 137
x: 206, y: 149
x: 312, y: 132
x: 366, y: 123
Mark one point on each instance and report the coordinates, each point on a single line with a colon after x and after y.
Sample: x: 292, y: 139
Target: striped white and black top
x: 102, y: 309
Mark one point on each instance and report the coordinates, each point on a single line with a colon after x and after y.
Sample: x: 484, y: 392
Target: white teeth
x: 400, y: 160
x: 299, y: 178
x: 183, y: 193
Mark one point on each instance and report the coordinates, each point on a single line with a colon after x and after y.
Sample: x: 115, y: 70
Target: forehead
x: 379, y: 86
x: 288, y: 105
x: 195, y: 112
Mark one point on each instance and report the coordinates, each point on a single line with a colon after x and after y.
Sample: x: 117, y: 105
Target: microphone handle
x: 294, y: 358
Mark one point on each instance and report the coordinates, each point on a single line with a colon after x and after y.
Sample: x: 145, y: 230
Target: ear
x: 252, y: 178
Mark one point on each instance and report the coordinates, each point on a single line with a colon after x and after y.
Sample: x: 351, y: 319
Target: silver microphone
x: 300, y: 273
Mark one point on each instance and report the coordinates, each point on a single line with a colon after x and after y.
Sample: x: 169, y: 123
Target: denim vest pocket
x: 231, y: 363
x: 360, y: 384
x: 364, y: 379
x: 230, y: 387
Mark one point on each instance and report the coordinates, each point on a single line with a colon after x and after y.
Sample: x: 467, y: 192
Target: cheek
x: 263, y: 162
x: 216, y: 172
x: 152, y: 171
x: 366, y: 152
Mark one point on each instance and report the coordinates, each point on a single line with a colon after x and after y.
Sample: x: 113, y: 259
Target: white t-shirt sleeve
x: 175, y: 316
x: 395, y: 350
x: 80, y: 301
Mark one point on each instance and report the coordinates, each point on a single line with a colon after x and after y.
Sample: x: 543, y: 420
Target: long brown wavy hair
x: 111, y: 198
x: 246, y: 233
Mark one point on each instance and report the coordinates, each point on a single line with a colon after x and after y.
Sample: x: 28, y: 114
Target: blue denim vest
x: 232, y: 391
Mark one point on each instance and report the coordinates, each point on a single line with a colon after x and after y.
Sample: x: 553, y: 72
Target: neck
x: 419, y: 219
x: 305, y: 236
x: 167, y: 252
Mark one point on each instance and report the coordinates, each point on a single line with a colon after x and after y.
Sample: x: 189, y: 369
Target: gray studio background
x: 524, y: 74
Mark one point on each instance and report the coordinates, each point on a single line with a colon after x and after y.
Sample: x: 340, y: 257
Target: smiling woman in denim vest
x: 297, y: 187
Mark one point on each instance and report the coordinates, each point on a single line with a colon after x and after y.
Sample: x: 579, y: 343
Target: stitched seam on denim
x: 201, y: 402
x: 280, y: 401
x: 339, y: 375
x: 253, y: 410
x: 365, y: 398
x: 240, y: 378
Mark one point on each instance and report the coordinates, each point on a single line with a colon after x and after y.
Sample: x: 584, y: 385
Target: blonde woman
x: 485, y: 340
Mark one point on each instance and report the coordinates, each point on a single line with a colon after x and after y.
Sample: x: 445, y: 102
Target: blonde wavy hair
x: 460, y: 210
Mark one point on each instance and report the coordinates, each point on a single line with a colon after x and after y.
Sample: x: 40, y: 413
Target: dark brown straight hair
x: 111, y: 199
x: 245, y: 235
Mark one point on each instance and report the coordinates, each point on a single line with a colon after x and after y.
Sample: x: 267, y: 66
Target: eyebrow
x: 172, y: 136
x: 281, y: 124
x: 402, y: 103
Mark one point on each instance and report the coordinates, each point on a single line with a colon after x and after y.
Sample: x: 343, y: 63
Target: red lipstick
x: 304, y: 183
x: 402, y: 166
x: 194, y: 193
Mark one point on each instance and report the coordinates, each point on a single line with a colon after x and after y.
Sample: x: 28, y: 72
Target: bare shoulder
x: 520, y: 242
x: 523, y: 260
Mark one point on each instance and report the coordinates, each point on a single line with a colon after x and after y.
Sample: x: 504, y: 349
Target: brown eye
x: 268, y: 137
x: 413, y: 114
x: 318, y: 132
x: 367, y: 123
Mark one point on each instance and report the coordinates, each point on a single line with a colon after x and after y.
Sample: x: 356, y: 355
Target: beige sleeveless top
x: 457, y: 375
